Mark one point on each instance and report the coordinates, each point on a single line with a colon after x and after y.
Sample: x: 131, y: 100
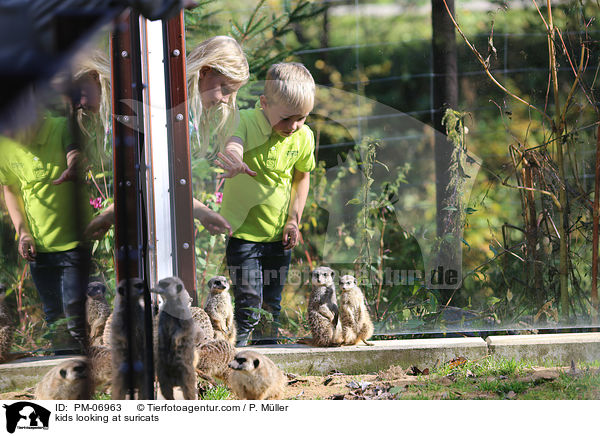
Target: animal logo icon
x: 25, y: 414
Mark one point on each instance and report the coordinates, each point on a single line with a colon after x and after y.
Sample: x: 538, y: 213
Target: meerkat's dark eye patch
x: 63, y: 373
x: 256, y: 363
x: 241, y: 360
x: 179, y: 288
x: 79, y: 369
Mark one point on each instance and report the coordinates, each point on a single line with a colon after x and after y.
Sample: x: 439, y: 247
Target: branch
x: 487, y: 70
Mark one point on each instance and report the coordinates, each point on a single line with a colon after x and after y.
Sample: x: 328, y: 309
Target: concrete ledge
x: 303, y: 359
x: 556, y: 348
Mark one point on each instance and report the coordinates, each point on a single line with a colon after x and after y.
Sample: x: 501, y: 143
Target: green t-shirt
x: 50, y: 209
x: 257, y: 207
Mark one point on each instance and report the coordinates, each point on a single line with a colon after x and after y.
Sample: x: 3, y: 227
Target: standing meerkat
x: 97, y: 311
x: 256, y: 377
x: 177, y: 339
x: 7, y: 326
x: 354, y: 316
x: 220, y: 310
x: 100, y: 359
x: 203, y: 323
x: 323, y: 309
x: 128, y: 311
x: 212, y: 360
x: 106, y: 334
x: 69, y: 380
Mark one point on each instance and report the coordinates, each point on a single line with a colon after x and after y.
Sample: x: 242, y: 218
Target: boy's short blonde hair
x: 291, y: 84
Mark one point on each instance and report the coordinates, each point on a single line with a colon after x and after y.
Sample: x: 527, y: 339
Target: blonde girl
x: 216, y: 69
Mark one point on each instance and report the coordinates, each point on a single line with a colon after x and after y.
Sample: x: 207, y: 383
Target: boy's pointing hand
x: 232, y: 164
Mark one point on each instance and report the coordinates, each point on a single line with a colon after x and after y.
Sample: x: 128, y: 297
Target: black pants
x: 61, y: 280
x: 258, y: 271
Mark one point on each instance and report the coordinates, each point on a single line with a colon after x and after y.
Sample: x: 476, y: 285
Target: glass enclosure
x: 457, y: 183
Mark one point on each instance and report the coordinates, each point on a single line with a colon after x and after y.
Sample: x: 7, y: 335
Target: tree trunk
x: 445, y: 94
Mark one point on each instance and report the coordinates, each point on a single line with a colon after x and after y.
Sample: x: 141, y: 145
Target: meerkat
x: 7, y: 326
x: 323, y: 309
x: 69, y: 380
x: 354, y: 316
x: 212, y: 359
x: 177, y: 339
x: 256, y: 377
x: 125, y: 315
x: 202, y: 321
x: 220, y: 310
x: 97, y: 310
x: 100, y: 358
x: 106, y: 334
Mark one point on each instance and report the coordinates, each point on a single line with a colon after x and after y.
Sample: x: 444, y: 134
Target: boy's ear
x: 203, y: 71
x: 263, y: 101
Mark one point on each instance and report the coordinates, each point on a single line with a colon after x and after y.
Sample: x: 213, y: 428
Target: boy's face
x: 284, y: 120
x: 215, y: 88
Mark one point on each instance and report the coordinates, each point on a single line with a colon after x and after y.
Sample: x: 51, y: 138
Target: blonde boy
x: 271, y: 155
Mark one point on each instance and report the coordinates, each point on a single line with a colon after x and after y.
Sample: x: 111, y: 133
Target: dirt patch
x: 385, y: 385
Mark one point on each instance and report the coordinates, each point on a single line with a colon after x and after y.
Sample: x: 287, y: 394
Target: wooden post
x: 177, y: 121
x: 130, y: 220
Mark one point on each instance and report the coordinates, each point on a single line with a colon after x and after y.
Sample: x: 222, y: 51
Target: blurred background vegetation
x: 372, y: 62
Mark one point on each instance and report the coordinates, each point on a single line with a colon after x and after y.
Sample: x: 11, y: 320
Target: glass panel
x: 374, y: 73
x: 57, y: 175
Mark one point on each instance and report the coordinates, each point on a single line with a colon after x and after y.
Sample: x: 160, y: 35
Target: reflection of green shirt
x: 257, y: 207
x: 49, y: 209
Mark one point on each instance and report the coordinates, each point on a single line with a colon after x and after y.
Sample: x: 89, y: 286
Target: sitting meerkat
x: 354, y: 316
x: 177, y: 339
x: 97, y: 311
x: 128, y: 312
x: 212, y: 359
x: 323, y: 309
x: 69, y: 380
x: 220, y: 310
x: 256, y: 377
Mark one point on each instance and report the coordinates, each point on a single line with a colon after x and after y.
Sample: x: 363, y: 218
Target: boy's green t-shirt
x: 50, y: 209
x: 257, y: 207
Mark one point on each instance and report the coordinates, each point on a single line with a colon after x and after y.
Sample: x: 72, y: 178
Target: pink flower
x: 218, y: 197
x: 96, y: 202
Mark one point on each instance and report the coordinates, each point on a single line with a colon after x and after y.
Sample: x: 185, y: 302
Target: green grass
x: 219, y: 392
x: 490, y: 366
x: 496, y: 378
x: 503, y: 387
x: 586, y: 386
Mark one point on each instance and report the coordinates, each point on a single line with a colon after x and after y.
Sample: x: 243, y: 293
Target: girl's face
x: 215, y: 88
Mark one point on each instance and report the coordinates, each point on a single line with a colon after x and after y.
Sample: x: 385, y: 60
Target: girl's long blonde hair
x: 95, y: 63
x: 225, y: 55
